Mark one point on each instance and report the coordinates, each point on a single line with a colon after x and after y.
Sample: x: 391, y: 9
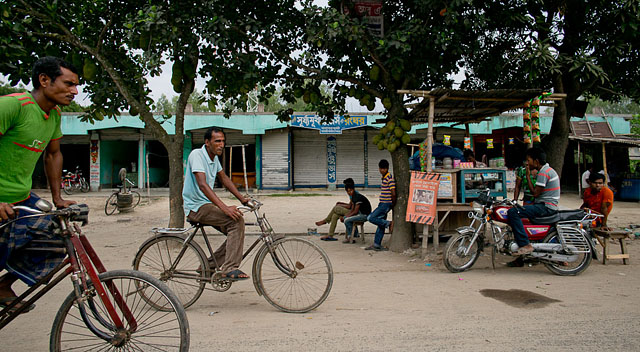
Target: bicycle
x: 73, y: 181
x: 122, y: 200
x: 297, y: 279
x: 107, y: 309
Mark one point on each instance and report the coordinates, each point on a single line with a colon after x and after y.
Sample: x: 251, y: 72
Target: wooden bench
x: 604, y: 236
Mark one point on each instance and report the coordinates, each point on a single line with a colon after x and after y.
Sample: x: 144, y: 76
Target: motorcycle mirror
x: 44, y: 205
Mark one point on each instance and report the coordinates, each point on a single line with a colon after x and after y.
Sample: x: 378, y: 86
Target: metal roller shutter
x: 309, y: 158
x: 350, y: 156
x: 233, y: 137
x: 275, y: 159
x: 373, y: 157
x: 119, y: 134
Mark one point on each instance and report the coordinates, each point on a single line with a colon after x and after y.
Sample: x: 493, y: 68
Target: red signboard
x: 423, y: 197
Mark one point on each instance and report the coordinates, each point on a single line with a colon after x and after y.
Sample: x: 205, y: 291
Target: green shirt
x: 522, y: 174
x: 25, y: 132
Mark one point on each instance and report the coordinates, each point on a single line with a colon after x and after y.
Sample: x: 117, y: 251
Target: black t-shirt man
x: 365, y: 206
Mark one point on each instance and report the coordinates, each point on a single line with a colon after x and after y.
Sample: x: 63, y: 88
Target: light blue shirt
x: 199, y: 161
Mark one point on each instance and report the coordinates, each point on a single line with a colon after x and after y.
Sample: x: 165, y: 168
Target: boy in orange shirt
x: 598, y: 197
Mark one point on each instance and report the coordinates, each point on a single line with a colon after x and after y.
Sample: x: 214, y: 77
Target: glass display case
x: 474, y: 181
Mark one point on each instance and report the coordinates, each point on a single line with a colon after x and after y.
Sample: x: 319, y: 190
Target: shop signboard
x: 336, y: 126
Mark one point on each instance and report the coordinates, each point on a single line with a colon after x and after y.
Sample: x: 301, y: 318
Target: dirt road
x: 382, y: 300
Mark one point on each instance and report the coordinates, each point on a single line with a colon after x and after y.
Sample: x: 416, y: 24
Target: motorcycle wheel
x: 68, y: 189
x: 572, y: 268
x: 453, y: 256
x: 84, y: 185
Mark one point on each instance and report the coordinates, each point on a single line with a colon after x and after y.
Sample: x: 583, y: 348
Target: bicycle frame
x: 82, y: 260
x: 266, y: 237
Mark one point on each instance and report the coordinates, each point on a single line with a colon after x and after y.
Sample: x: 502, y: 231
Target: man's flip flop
x: 5, y: 302
x: 235, y: 275
x: 329, y: 239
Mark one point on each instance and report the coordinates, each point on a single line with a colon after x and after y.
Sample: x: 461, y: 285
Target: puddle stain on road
x: 519, y: 298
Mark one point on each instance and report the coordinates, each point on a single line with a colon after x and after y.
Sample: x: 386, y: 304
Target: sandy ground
x: 382, y: 300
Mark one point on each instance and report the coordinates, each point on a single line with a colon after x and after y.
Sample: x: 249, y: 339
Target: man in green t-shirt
x: 30, y: 126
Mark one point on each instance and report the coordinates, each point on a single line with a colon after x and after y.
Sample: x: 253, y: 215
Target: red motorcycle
x: 73, y: 181
x: 562, y: 242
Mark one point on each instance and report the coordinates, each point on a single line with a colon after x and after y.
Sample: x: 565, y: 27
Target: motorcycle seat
x: 562, y: 215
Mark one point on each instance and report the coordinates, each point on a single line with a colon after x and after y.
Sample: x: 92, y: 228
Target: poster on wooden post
x: 423, y: 197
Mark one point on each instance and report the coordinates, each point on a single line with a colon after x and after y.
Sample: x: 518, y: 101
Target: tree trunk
x: 556, y: 143
x: 402, y: 237
x: 176, y: 180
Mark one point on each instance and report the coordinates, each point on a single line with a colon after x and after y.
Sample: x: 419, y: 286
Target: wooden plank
x: 618, y: 256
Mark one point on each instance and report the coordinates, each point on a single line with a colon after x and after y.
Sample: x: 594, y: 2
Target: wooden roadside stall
x: 462, y: 107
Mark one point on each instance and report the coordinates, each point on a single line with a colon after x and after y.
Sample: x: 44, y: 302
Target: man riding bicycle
x: 29, y: 126
x: 202, y: 205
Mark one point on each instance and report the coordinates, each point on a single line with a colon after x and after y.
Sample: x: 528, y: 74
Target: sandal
x: 328, y: 238
x: 5, y: 302
x: 235, y: 275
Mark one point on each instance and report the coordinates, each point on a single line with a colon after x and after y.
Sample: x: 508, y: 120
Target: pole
x: 579, y: 174
x: 146, y: 157
x: 244, y: 168
x: 604, y: 162
x: 432, y: 108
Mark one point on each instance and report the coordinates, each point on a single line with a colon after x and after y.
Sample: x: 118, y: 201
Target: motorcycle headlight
x: 477, y: 207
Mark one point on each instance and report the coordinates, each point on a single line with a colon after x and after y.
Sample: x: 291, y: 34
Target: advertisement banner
x: 423, y: 197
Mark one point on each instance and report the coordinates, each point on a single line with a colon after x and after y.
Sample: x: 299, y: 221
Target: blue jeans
x: 379, y: 218
x: 348, y: 223
x: 516, y: 214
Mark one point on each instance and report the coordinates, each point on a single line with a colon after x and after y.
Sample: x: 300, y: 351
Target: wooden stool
x: 603, y: 237
x: 360, y: 226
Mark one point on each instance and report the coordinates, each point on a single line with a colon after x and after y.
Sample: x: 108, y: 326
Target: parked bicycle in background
x: 124, y: 199
x: 74, y: 182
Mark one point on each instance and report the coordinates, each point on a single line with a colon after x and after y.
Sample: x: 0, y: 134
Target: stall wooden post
x: 425, y: 228
x: 604, y: 163
x: 580, y: 190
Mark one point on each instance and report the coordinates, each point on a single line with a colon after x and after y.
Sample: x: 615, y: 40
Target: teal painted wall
x: 113, y: 156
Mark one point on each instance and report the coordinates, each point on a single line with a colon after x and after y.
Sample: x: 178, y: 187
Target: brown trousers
x: 229, y: 254
x: 333, y: 217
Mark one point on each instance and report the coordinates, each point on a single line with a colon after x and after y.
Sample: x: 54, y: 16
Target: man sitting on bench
x: 598, y: 197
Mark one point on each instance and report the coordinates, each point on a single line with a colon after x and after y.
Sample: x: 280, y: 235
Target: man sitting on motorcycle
x: 546, y: 196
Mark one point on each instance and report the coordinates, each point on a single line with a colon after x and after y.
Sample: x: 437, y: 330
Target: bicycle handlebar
x: 75, y: 212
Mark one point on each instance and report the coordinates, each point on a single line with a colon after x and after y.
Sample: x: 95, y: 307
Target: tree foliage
x: 576, y: 47
x: 116, y: 45
x: 300, y: 48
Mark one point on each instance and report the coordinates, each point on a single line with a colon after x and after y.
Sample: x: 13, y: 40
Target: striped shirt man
x: 388, y: 183
x: 548, y: 178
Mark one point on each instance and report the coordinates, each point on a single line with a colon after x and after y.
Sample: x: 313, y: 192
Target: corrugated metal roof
x: 466, y: 106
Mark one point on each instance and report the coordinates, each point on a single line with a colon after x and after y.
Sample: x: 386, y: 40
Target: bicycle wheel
x: 153, y: 330
x: 158, y: 254
x: 84, y: 185
x: 111, y: 205
x: 136, y: 199
x: 297, y: 277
